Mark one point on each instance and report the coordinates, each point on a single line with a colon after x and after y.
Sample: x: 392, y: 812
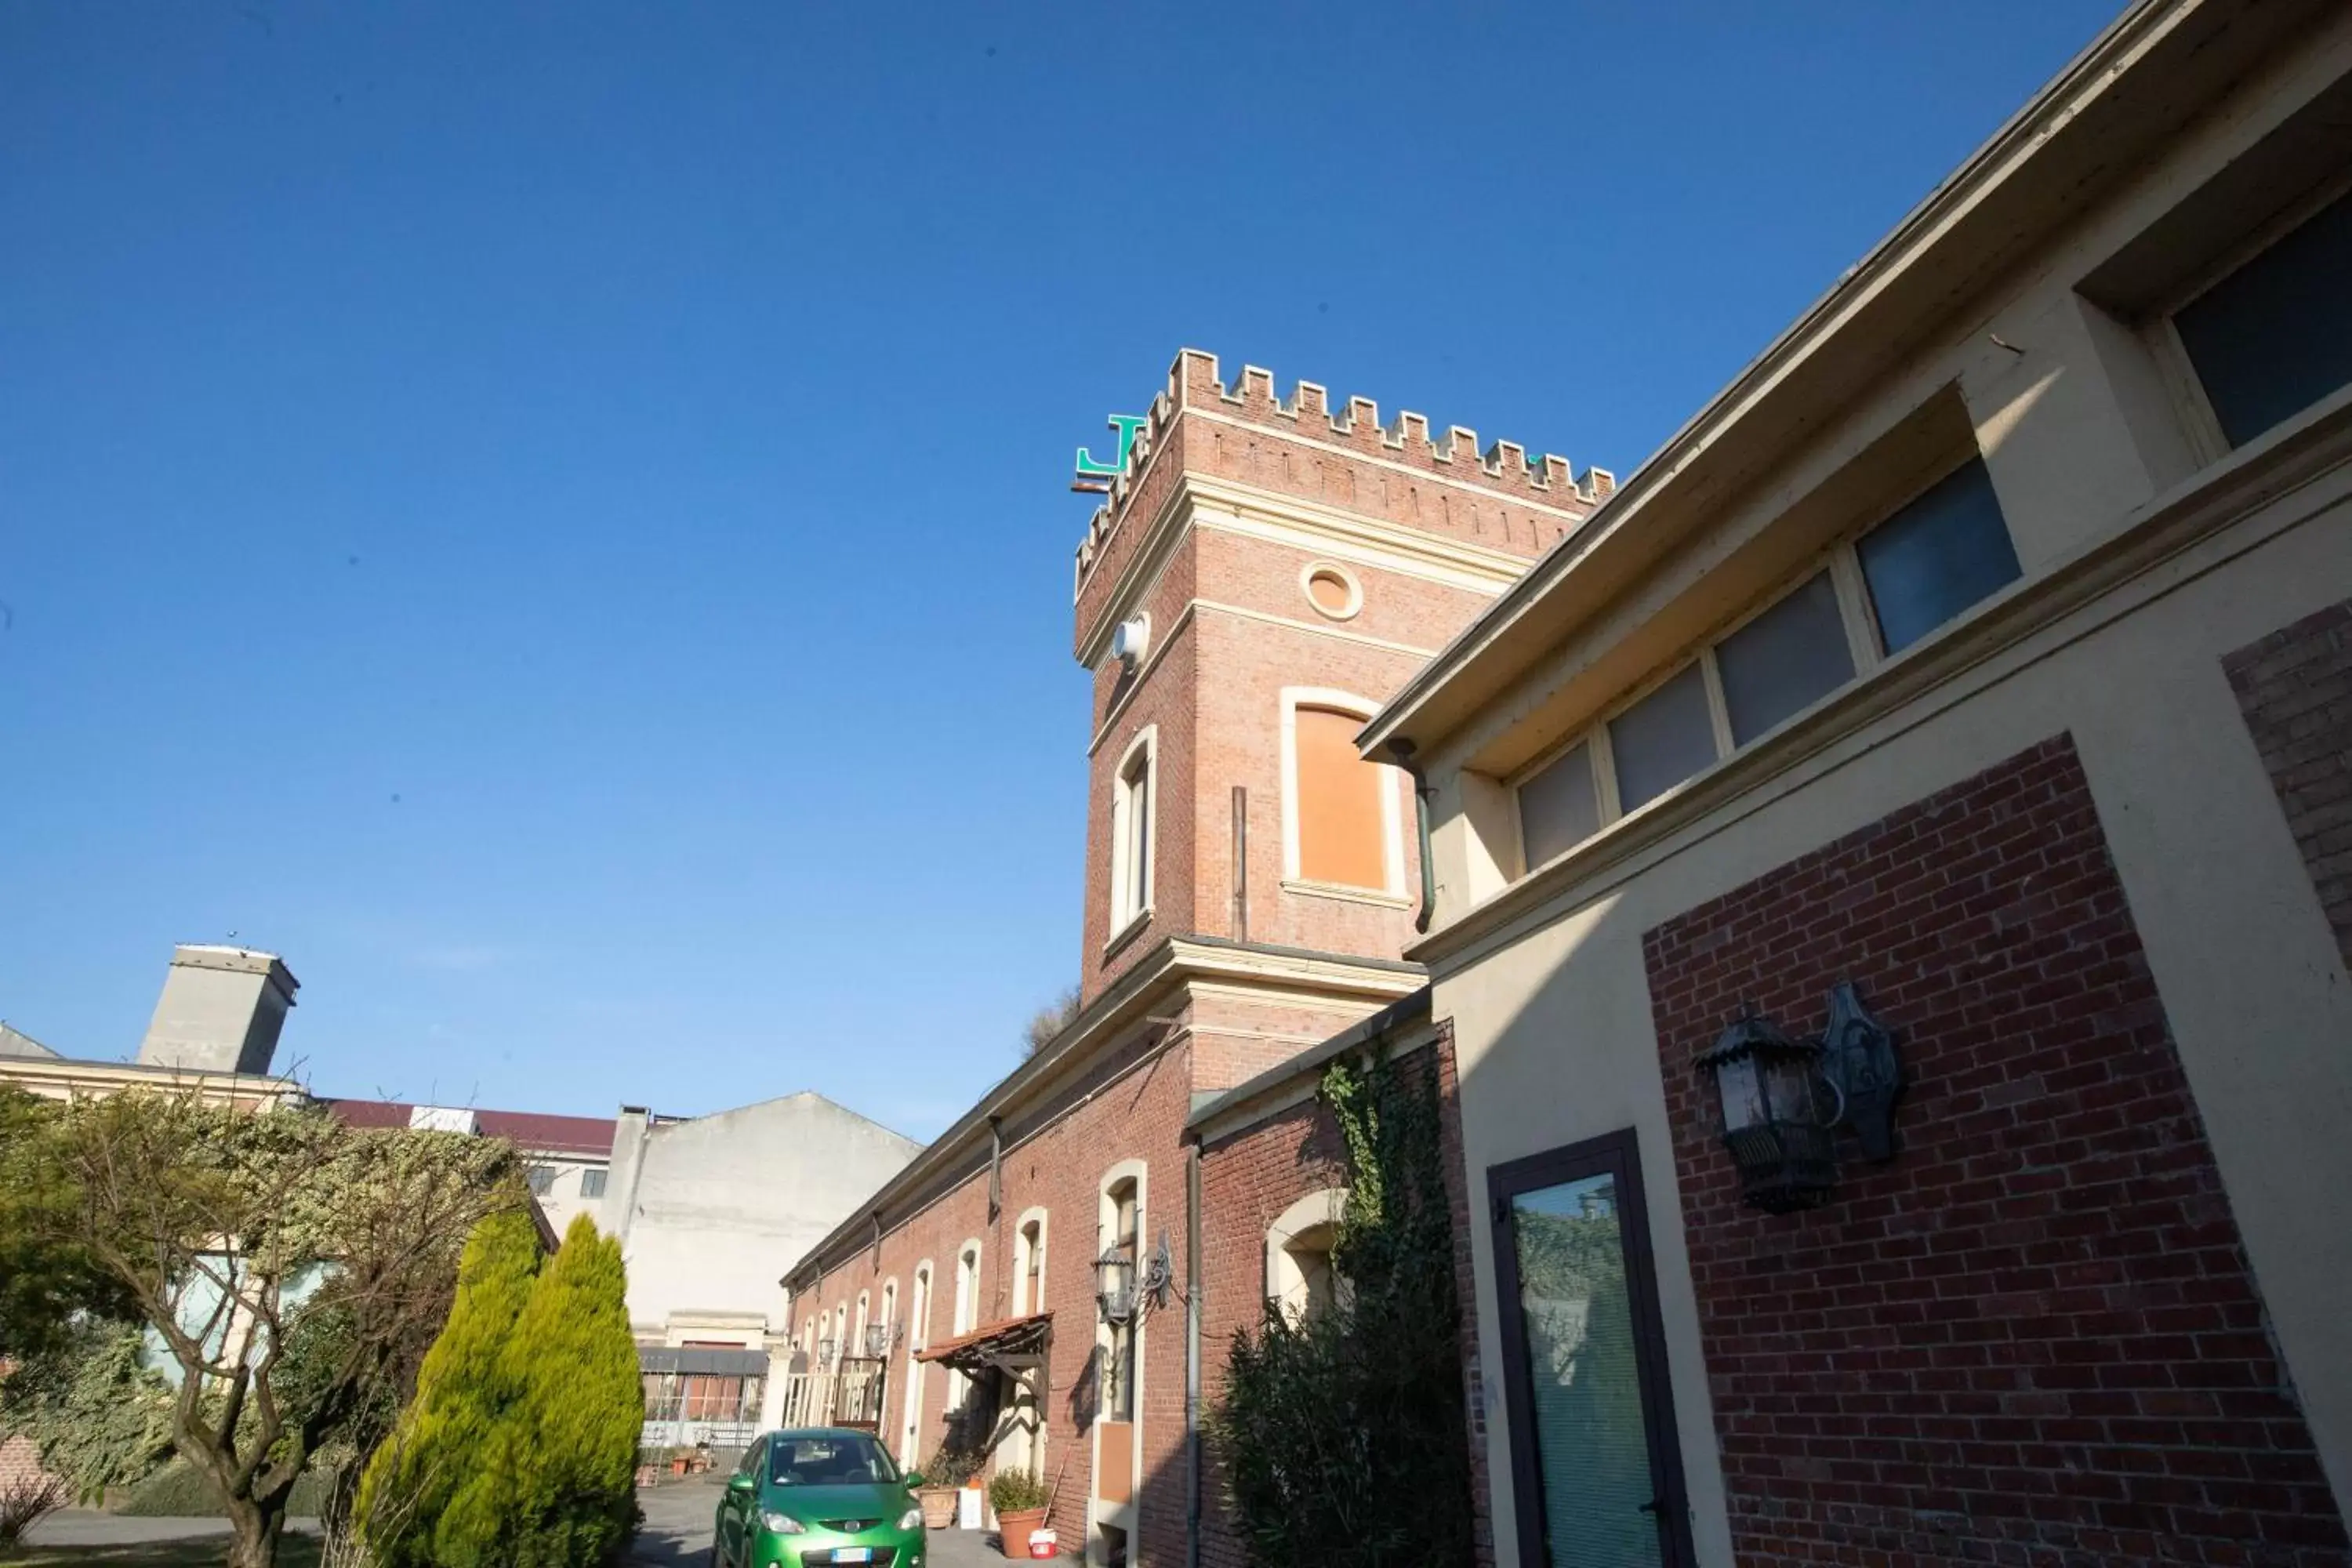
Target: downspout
x: 1193, y: 1356
x: 1402, y: 750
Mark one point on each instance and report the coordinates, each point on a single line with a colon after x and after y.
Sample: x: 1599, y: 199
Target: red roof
x: 532, y: 1130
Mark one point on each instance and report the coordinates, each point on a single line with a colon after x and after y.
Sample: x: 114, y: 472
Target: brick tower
x: 1263, y: 575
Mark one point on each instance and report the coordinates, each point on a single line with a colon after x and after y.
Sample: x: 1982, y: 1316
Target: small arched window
x: 1299, y: 1279
x: 1132, y: 807
x: 1029, y: 1264
x: 967, y: 1288
x: 1122, y: 1235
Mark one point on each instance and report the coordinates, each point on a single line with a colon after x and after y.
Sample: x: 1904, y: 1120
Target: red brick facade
x: 2034, y: 1336
x: 1232, y: 627
x: 2295, y: 690
x: 1133, y: 1106
x: 1232, y: 624
x: 1344, y: 458
x: 1247, y: 1178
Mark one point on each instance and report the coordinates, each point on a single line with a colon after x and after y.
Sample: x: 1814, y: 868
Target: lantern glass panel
x: 1789, y: 1089
x: 1743, y: 1093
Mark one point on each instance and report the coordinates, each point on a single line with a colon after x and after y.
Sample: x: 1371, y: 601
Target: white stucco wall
x: 712, y: 1211
x: 2174, y: 568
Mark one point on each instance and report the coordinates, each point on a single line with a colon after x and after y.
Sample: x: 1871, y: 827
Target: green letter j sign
x: 1127, y: 424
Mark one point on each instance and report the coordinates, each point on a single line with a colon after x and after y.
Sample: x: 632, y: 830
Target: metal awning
x: 993, y: 1345
x: 704, y: 1362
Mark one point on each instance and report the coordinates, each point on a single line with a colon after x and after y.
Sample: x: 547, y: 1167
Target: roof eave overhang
x: 2157, y: 66
x: 1128, y: 1003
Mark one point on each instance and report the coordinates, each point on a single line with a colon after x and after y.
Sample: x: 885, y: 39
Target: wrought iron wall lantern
x: 1779, y: 1101
x: 878, y: 1340
x: 1114, y: 1283
x: 825, y: 1349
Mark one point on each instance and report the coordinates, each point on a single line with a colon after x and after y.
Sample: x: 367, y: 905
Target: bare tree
x: 293, y: 1268
x: 1048, y: 1021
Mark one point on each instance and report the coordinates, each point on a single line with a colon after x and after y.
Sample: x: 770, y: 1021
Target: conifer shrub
x: 464, y: 1392
x: 556, y: 1485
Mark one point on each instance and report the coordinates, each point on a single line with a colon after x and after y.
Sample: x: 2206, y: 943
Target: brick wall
x: 1132, y: 1106
x: 19, y: 1462
x: 1214, y: 691
x: 1343, y: 456
x: 1247, y: 1178
x: 2034, y: 1336
x: 2294, y: 687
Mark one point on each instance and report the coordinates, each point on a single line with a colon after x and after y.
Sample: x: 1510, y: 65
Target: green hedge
x: 177, y: 1492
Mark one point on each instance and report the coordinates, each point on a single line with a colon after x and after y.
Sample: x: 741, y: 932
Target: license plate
x: 853, y: 1554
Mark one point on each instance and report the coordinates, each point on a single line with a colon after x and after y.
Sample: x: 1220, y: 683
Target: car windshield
x: 847, y: 1460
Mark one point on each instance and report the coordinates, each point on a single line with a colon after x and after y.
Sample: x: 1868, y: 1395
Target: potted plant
x: 1019, y: 1498
x: 936, y: 1483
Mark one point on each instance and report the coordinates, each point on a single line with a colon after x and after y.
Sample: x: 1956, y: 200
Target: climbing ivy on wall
x: 1343, y: 1439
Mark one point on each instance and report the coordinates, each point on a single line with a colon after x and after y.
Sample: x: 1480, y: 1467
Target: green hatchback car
x: 814, y: 1497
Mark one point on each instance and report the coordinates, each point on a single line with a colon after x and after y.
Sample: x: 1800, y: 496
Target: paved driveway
x: 87, y: 1527
x: 678, y: 1524
x: 678, y: 1531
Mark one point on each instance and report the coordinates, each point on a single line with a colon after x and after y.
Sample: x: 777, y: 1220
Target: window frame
x: 1133, y: 1173
x: 1347, y: 578
x: 596, y: 1173
x: 1325, y: 1208
x: 1617, y: 1154
x: 1138, y: 772
x: 1842, y: 559
x: 1028, y: 1259
x: 920, y: 1291
x: 1392, y: 893
x: 2160, y: 332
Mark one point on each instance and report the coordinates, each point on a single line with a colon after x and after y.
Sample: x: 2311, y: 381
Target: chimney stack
x: 220, y: 1012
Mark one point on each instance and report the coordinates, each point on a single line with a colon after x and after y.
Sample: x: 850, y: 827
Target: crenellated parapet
x: 1403, y: 448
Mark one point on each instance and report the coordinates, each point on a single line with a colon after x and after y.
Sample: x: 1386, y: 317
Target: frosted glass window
x: 1939, y: 555
x: 2275, y: 336
x: 1784, y: 659
x: 1662, y: 740
x: 1558, y: 807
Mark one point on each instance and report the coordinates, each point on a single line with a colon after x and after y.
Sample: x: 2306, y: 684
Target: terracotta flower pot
x: 939, y: 1507
x: 1016, y: 1525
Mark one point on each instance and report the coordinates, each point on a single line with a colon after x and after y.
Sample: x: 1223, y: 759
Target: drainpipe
x: 1193, y: 1356
x: 1402, y: 750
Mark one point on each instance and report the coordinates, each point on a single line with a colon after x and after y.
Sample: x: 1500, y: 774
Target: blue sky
x: 553, y: 516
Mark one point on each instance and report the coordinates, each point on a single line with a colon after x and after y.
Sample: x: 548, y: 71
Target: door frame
x: 1617, y: 1155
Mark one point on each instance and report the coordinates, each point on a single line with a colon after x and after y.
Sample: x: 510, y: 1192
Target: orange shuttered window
x: 1340, y: 835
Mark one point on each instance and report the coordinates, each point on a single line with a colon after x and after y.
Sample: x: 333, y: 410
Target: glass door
x: 1594, y: 1460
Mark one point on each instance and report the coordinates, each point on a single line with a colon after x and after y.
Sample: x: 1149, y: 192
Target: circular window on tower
x: 1332, y: 590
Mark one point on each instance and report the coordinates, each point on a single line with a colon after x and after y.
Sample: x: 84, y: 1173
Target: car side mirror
x: 914, y: 1480
x: 740, y: 1483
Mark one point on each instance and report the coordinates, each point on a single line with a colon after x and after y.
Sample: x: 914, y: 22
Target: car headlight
x: 909, y: 1519
x: 784, y: 1524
